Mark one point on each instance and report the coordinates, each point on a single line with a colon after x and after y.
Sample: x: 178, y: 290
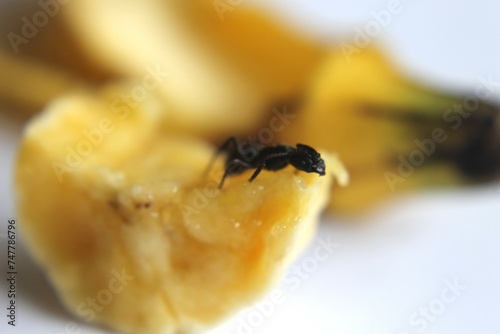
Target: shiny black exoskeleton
x: 243, y: 156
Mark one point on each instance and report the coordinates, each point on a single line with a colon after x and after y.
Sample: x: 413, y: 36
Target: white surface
x: 390, y: 263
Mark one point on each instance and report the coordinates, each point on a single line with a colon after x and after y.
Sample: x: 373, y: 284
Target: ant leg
x: 263, y: 163
x: 229, y: 170
x: 222, y: 148
x: 257, y: 172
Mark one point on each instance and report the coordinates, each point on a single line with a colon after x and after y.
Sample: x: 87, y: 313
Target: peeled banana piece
x: 132, y: 233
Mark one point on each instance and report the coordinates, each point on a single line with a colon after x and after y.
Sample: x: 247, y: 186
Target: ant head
x: 308, y: 160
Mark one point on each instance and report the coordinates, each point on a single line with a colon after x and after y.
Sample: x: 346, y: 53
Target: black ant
x: 243, y: 156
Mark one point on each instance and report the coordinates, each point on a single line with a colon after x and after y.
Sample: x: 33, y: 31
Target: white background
x: 390, y: 263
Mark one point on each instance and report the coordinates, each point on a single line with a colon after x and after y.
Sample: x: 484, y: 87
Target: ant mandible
x: 243, y: 156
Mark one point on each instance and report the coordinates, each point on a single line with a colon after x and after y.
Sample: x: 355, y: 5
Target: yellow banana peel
x: 225, y: 73
x: 28, y: 84
x: 391, y: 133
x: 219, y: 78
x: 222, y: 76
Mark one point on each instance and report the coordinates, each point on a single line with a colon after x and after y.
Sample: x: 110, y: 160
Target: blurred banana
x: 393, y: 134
x: 220, y: 77
x: 27, y: 84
